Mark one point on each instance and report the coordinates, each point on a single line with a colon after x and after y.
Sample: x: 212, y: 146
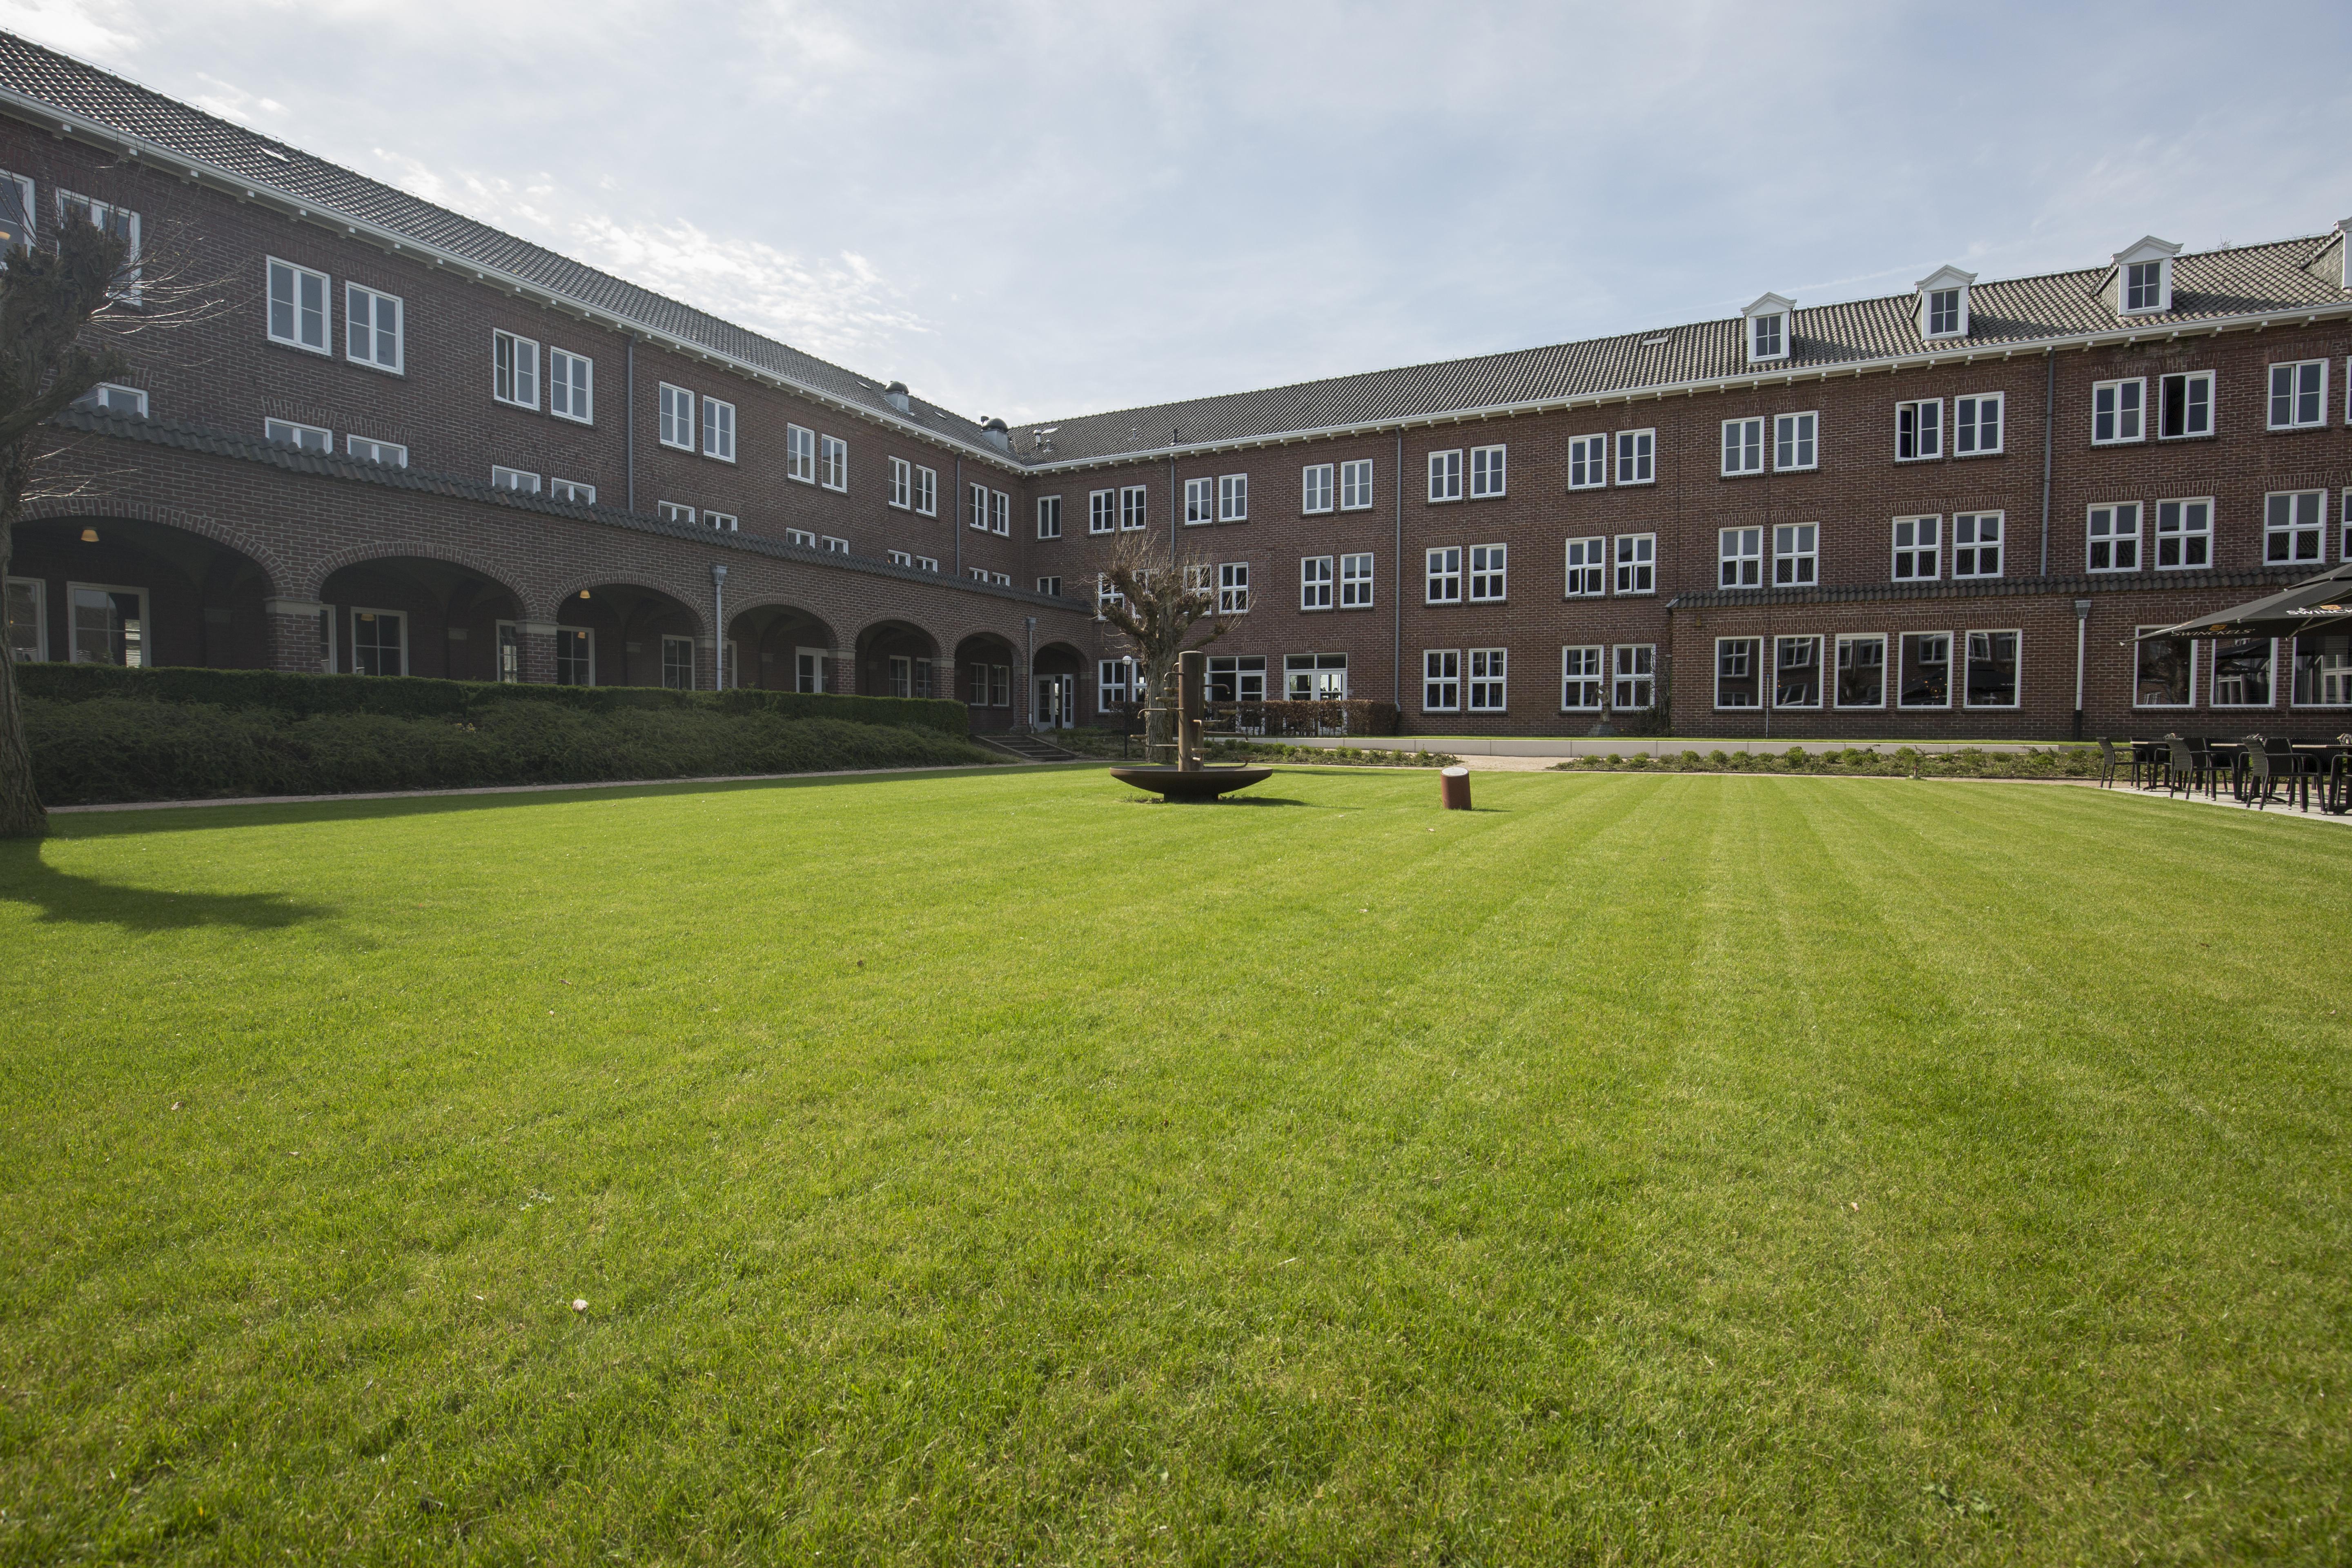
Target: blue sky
x: 1035, y: 210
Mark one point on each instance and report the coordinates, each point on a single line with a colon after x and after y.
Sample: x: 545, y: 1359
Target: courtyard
x: 994, y: 1167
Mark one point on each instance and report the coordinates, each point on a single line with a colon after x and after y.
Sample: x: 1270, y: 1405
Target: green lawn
x: 977, y: 1168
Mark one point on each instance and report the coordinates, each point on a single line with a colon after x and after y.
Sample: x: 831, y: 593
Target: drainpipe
x: 719, y: 620
x: 1029, y: 666
x: 955, y: 516
x: 2081, y: 630
x: 1175, y: 517
x: 629, y: 422
x: 2049, y: 417
x: 1396, y: 647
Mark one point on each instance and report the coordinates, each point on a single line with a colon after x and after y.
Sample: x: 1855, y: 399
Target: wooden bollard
x: 1454, y: 788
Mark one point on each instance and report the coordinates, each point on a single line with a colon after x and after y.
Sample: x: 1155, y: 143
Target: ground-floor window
x: 1736, y: 675
x: 1797, y: 672
x: 923, y: 678
x: 1862, y: 672
x: 1925, y: 680
x: 1580, y: 678
x: 902, y: 674
x: 808, y: 670
x: 1489, y: 685
x: 27, y: 620
x: 1992, y: 670
x: 510, y: 670
x: 1636, y: 679
x: 109, y: 625
x: 999, y: 686
x: 379, y: 642
x: 1113, y: 683
x: 1314, y: 676
x: 1237, y: 678
x: 2165, y: 673
x: 677, y: 663
x: 975, y: 685
x: 1441, y: 679
x: 575, y: 657
x: 2242, y: 673
x: 2322, y: 672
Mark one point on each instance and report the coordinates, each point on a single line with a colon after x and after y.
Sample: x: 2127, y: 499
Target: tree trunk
x: 21, y: 812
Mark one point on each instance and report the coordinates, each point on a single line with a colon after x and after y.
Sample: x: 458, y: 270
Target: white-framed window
x: 1637, y: 453
x: 677, y: 663
x: 808, y: 670
x: 901, y: 558
x: 573, y: 490
x: 1977, y: 423
x: 1233, y: 588
x: 2113, y: 537
x: 1113, y: 683
x: 676, y: 417
x: 379, y: 642
x: 1739, y: 558
x: 1588, y: 568
x: 522, y: 481
x: 1976, y: 544
x: 1440, y: 680
x: 1133, y: 503
x: 1767, y: 328
x: 2146, y: 285
x: 2294, y: 525
x: 833, y: 465
x: 1444, y: 575
x: 390, y: 454
x: 1105, y: 594
x: 1356, y: 485
x: 1314, y: 676
x: 1000, y: 514
x: 902, y: 483
x: 1796, y: 555
x: 1356, y: 582
x: 1743, y: 446
x: 1993, y: 673
x: 28, y: 598
x: 1588, y: 462
x: 2184, y: 535
x: 1488, y: 472
x: 926, y: 563
x: 1050, y: 587
x: 2184, y: 406
x: 1797, y: 672
x: 1199, y: 501
x: 1796, y: 442
x: 571, y: 386
x: 1315, y: 582
x: 1446, y: 476
x: 1236, y: 678
x: 1489, y: 576
x: 718, y: 430
x: 1635, y: 685
x: 977, y: 574
x: 16, y: 215
x: 372, y: 329
x: 2298, y: 401
x: 2164, y: 672
x: 1919, y: 430
x: 1489, y: 679
x: 107, y: 624
x: 976, y: 508
x: 1315, y: 485
x: 1102, y: 511
x: 836, y: 545
x: 2323, y: 671
x: 1232, y: 498
x: 804, y: 537
x: 118, y: 221
x: 800, y: 454
x: 114, y: 398
x: 1049, y: 517
x: 2118, y: 410
x: 727, y: 522
x: 676, y: 512
x: 514, y: 370
x: 1637, y: 564
x: 1736, y: 675
x: 1861, y: 671
x: 1944, y: 313
x: 1581, y: 682
x: 1924, y: 679
x: 1918, y: 549
x: 308, y: 437
x: 298, y: 306
x: 2242, y: 673
x: 927, y: 491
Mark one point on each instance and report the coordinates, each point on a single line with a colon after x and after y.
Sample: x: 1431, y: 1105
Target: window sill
x: 1807, y: 469
x: 1629, y: 484
x: 1969, y: 457
x: 380, y: 369
x: 1743, y: 474
x: 1913, y: 462
x: 322, y: 353
x: 2208, y: 436
x: 2134, y: 441
x: 1579, y: 490
x: 2292, y: 429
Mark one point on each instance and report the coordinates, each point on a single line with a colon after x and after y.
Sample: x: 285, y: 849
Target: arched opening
x: 783, y: 648
x: 100, y: 590
x: 625, y: 634
x: 899, y: 658
x: 1059, y: 684
x: 987, y: 670
x: 411, y: 615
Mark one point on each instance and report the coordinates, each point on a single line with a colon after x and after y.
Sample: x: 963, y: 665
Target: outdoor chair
x: 2282, y: 761
x: 2262, y: 778
x: 2189, y: 765
x: 2106, y: 763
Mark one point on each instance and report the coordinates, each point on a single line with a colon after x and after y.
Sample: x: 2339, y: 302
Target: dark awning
x: 2316, y: 603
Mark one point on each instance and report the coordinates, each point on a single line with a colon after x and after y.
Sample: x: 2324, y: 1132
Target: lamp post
x: 718, y: 626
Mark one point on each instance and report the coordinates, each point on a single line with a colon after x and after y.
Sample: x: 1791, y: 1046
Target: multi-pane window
x: 2165, y: 672
x: 1740, y: 557
x: 1131, y: 500
x: 27, y: 600
x: 1314, y: 676
x: 514, y: 373
x: 2298, y: 399
x: 1588, y: 462
x: 1796, y: 442
x: 1943, y: 312
x: 2142, y: 285
x: 372, y: 328
x: 1924, y: 677
x: 1918, y: 430
x: 1918, y: 549
x: 2323, y: 671
x: 1446, y: 476
x: 1736, y: 684
x: 1977, y: 425
x: 926, y: 564
x: 1356, y: 485
x: 836, y: 546
x: 1050, y: 587
x: 2293, y: 521
x: 390, y: 454
x: 1796, y: 555
x: 1489, y: 679
x: 2184, y: 535
x: 833, y: 465
x: 800, y: 454
x: 1487, y: 471
x: 902, y: 483
x: 16, y: 212
x: 379, y: 643
x: 1440, y: 680
x: 677, y: 663
x: 1444, y: 575
x: 310, y: 437
x: 1992, y: 670
x: 2114, y: 537
x: 1588, y: 568
x: 112, y: 397
x: 1743, y: 445
x: 1356, y: 582
x: 718, y: 430
x: 677, y: 511
x: 2117, y: 408
x: 1236, y: 677
x: 2242, y: 673
x: 1976, y: 544
x: 1581, y: 683
x: 802, y: 537
x: 2184, y: 405
x: 901, y: 558
x: 298, y: 306
x: 1232, y: 498
x: 676, y: 417
x: 1113, y: 683
x: 1049, y: 517
x: 1637, y: 564
x: 524, y: 482
x: 1233, y: 588
x: 571, y: 385
x: 1315, y: 583
x: 1199, y: 501
x: 1768, y: 336
x: 727, y: 523
x: 1000, y: 514
x: 1861, y: 672
x: 1315, y: 488
x: 1637, y: 452
x: 927, y: 490
x: 1488, y: 572
x: 1635, y: 685
x: 573, y: 490
x: 976, y: 513
x: 575, y: 657
x: 1797, y: 672
x: 1102, y: 511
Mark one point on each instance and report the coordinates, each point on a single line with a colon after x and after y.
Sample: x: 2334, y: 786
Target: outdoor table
x: 2336, y: 795
x: 2234, y: 753
x: 2149, y: 759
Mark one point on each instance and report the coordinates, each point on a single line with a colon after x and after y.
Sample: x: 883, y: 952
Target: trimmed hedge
x: 1903, y: 762
x: 416, y: 696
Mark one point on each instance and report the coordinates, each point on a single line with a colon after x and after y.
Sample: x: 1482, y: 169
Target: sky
x: 1030, y: 209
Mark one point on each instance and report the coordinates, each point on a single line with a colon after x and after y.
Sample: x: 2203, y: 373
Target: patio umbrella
x: 2316, y: 603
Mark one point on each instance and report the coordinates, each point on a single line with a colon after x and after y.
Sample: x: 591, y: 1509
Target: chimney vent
x: 895, y: 394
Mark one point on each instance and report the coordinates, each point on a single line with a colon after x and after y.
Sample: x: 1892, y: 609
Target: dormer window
x: 1944, y: 303
x: 1767, y: 328
x: 2144, y: 277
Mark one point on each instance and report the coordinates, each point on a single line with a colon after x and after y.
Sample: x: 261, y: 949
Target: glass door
x: 109, y: 626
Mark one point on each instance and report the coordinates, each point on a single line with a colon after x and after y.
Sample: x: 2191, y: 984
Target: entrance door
x: 1057, y: 701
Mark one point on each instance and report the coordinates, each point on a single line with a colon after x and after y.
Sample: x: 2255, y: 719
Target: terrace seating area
x: 2256, y: 770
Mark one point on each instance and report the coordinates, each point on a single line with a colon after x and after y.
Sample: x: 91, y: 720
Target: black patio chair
x: 2282, y: 761
x: 2261, y: 780
x: 2189, y: 766
x: 2108, y: 764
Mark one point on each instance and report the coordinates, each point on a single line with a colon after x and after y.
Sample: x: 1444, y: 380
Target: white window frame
x: 1769, y: 329
x: 2292, y: 402
x: 901, y: 558
x: 2195, y: 660
x: 670, y: 645
x: 1049, y: 587
x: 1797, y: 437
x: 1105, y: 594
x: 1583, y: 678
x: 1836, y: 675
x: 1637, y: 456
x: 351, y: 623
x: 1586, y: 564
x: 146, y: 622
x: 1972, y: 546
x: 1959, y: 328
x: 1102, y: 511
x: 1049, y: 517
x: 927, y: 491
x: 1199, y: 501
x: 804, y: 537
x: 1440, y: 680
x: 1919, y: 430
x: 1442, y: 567
x: 2119, y: 409
x: 1633, y: 676
x: 833, y: 544
x: 2185, y: 380
x: 1316, y: 587
x: 1113, y: 683
x: 2324, y: 674
x: 293, y: 338
x: 576, y: 491
x: 2104, y: 524
x: 1755, y: 647
x: 571, y: 385
x: 832, y: 463
x: 1588, y: 462
x: 1971, y: 413
x: 1134, y: 508
x: 1634, y: 570
x: 1965, y: 647
x: 676, y: 405
x: 1918, y: 548
x: 722, y: 522
x: 2281, y: 523
x: 1743, y: 446
x: 2191, y: 533
x: 719, y: 430
x: 800, y: 454
x: 376, y: 451
x: 40, y: 587
x: 902, y: 484
x: 928, y: 563
x: 1489, y: 472
x: 1488, y: 679
x: 1233, y: 588
x: 1000, y: 514
x: 1446, y: 476
x: 1821, y: 675
x: 374, y: 329
x: 295, y: 433
x: 1796, y: 555
x: 1232, y: 498
x: 1902, y: 650
x: 114, y: 397
x: 1356, y: 485
x: 1356, y: 589
x: 1317, y: 488
x: 677, y: 512
x: 514, y: 369
x: 2162, y: 297
x: 521, y: 481
x: 976, y: 512
x: 2214, y: 698
x: 1740, y: 556
x: 1489, y: 573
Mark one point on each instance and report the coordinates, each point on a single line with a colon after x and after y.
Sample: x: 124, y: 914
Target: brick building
x: 397, y: 440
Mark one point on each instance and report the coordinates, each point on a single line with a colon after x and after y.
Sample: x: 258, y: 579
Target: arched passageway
x: 625, y: 634
x: 406, y: 615
x: 101, y: 590
x: 1058, y: 687
x: 899, y: 658
x: 783, y: 648
x: 988, y: 671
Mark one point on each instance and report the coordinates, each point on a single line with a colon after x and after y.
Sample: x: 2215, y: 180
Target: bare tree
x: 1159, y: 604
